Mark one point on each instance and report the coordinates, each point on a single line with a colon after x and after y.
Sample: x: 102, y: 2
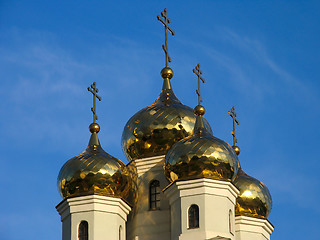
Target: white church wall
x: 214, y: 198
x: 104, y: 215
x: 249, y: 228
x: 148, y: 224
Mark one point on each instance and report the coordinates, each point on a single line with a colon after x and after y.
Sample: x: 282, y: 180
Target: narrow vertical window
x: 83, y: 231
x: 154, y: 195
x: 120, y: 232
x: 230, y: 221
x: 193, y: 214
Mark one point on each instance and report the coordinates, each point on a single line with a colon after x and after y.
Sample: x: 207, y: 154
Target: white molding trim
x: 93, y: 203
x: 254, y: 225
x: 199, y: 186
x: 145, y: 164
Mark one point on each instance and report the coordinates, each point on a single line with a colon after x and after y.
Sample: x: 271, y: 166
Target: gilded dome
x: 93, y: 172
x: 155, y: 129
x: 254, y: 199
x: 201, y: 155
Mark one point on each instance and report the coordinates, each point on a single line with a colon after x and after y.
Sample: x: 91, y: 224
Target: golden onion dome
x: 254, y: 199
x: 201, y: 155
x: 93, y: 172
x: 156, y: 128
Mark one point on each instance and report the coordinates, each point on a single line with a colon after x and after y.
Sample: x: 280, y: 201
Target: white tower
x: 93, y: 217
x: 253, y: 203
x: 93, y: 185
x: 146, y: 138
x: 202, y: 209
x: 202, y: 197
x: 253, y: 206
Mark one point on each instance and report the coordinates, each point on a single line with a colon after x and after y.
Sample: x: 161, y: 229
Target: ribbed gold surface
x: 155, y: 129
x: 201, y: 155
x: 254, y: 199
x: 93, y: 172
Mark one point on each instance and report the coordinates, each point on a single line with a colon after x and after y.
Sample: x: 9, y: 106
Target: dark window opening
x: 120, y: 232
x: 154, y: 195
x: 193, y: 215
x: 231, y: 221
x: 83, y: 231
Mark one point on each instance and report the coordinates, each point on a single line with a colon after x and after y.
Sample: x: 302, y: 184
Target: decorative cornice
x: 255, y: 225
x: 93, y: 203
x: 201, y: 186
x: 145, y: 164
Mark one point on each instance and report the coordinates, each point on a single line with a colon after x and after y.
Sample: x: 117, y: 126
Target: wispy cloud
x: 248, y: 64
x: 239, y: 75
x: 45, y: 83
x: 258, y: 51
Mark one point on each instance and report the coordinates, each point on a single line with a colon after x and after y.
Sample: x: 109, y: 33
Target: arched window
x: 193, y: 214
x: 154, y: 195
x: 230, y: 221
x: 83, y: 231
x: 120, y: 232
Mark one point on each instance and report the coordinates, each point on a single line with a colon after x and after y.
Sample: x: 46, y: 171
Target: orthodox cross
x: 233, y: 114
x: 94, y: 92
x: 198, y: 72
x: 165, y: 21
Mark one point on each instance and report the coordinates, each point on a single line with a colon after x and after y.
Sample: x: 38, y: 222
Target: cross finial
x: 165, y: 21
x: 94, y: 92
x: 233, y: 114
x: 198, y: 72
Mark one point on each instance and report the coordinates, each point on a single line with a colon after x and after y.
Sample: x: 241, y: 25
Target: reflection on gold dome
x: 155, y: 129
x: 201, y: 155
x: 254, y: 199
x: 93, y: 172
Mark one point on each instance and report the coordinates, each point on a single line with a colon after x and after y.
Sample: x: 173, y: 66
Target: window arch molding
x: 154, y: 195
x: 83, y: 230
x: 193, y: 216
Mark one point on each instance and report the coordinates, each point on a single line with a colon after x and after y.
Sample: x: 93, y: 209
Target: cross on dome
x: 198, y: 72
x: 165, y: 21
x: 94, y: 92
x: 233, y: 114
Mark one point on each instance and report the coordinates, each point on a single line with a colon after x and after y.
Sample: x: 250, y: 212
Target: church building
x: 181, y: 182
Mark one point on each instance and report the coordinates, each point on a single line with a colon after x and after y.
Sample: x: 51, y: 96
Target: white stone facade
x: 150, y: 224
x: 107, y: 216
x: 249, y: 228
x: 215, y: 199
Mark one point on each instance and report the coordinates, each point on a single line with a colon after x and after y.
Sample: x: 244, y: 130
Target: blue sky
x: 260, y: 56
